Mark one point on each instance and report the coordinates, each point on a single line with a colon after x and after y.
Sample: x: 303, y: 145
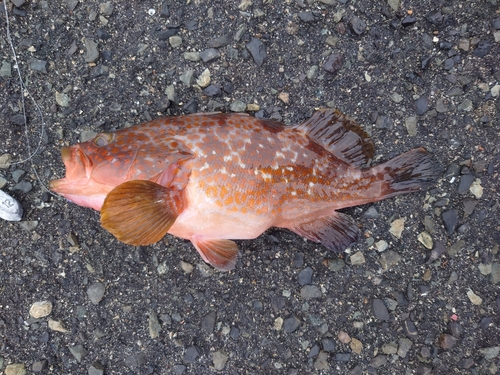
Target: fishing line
x: 25, y: 92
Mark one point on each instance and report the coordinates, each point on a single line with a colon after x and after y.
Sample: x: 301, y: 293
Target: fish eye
x: 103, y: 139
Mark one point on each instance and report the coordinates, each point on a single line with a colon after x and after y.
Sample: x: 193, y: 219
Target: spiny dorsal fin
x: 221, y: 254
x: 339, y: 135
x: 140, y: 212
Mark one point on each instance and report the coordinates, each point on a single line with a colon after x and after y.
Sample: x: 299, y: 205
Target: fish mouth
x: 78, y: 170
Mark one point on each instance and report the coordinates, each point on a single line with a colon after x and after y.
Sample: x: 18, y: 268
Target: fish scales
x: 211, y: 178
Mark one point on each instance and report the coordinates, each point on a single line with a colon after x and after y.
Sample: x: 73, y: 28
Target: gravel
x: 426, y: 77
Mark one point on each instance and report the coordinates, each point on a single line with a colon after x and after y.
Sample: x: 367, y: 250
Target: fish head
x: 94, y: 168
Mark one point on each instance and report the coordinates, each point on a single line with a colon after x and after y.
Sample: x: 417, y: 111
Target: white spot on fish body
x: 279, y: 154
x: 228, y: 158
x: 205, y: 166
x: 294, y: 193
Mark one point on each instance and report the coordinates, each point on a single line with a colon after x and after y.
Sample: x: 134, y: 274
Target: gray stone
x: 175, y: 41
x: 321, y: 362
x: 62, y: 99
x: 191, y: 354
x: 154, y: 325
x: 291, y: 324
x: 411, y: 125
x: 258, y: 51
x: 96, y: 369
x: 219, y: 359
x: 91, y: 50
x: 396, y: 98
x: 305, y: 276
x: 6, y: 69
x: 106, y: 9
x: 334, y: 63
x: 192, y: 56
x: 209, y: 55
x: 466, y: 105
x: 78, y: 352
x: 187, y: 78
x: 394, y: 4
x: 357, y: 258
x: 495, y: 273
x: 389, y: 259
x: 237, y: 106
x: 380, y: 310
x: 421, y: 105
x: 310, y: 292
x: 450, y: 220
x: 38, y: 65
x: 208, y: 322
x: 95, y: 292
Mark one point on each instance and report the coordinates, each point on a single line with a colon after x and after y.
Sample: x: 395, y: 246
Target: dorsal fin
x: 339, y: 135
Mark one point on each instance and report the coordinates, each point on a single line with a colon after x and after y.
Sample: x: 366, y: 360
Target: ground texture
x: 418, y: 294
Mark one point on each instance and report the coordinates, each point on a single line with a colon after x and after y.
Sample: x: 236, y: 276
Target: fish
x: 213, y: 178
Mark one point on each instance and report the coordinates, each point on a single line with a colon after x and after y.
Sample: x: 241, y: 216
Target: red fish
x: 212, y: 178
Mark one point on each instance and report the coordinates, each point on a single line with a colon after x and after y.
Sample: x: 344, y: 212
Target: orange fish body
x: 211, y: 178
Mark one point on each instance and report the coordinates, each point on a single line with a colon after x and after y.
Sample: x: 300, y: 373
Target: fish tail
x: 412, y: 171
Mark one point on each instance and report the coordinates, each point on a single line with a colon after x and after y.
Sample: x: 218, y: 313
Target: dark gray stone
x: 421, y: 105
x: 209, y: 55
x: 305, y: 276
x: 380, y: 310
x: 291, y: 324
x: 258, y: 51
x: 450, y: 220
x: 334, y: 63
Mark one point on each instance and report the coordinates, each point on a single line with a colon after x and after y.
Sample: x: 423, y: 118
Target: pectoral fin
x: 140, y: 212
x: 222, y: 254
x: 336, y: 232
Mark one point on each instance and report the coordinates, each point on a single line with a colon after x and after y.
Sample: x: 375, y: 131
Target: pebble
x: 78, y: 352
x: 490, y: 352
x: 436, y: 253
x: 450, y: 220
x: 421, y: 105
x: 466, y: 105
x: 187, y: 78
x: 390, y: 348
x: 29, y: 225
x: 397, y: 227
x: 305, y: 276
x: 106, y: 9
x: 389, y: 259
x: 310, y: 292
x: 237, y: 106
x: 483, y: 48
x: 96, y: 369
x: 171, y: 93
x: 425, y: 239
x: 495, y: 273
x: 212, y: 90
x: 381, y: 245
x: 56, y: 325
x: 380, y: 310
x: 485, y: 269
x: 371, y: 213
x: 191, y: 56
x: 447, y: 341
x: 334, y: 63
x: 474, y: 298
x: 495, y: 91
x: 209, y: 55
x: 10, y: 208
x: 356, y: 346
x: 404, y: 347
x: 343, y: 357
x: 344, y: 337
x: 38, y: 65
x: 40, y: 309
x: 465, y: 183
x: 306, y: 16
x: 328, y: 344
x: 6, y: 69
x: 357, y: 258
x: 278, y: 323
x: 204, y: 79
x: 220, y: 41
x: 219, y: 358
x: 154, y: 325
x: 175, y: 41
x: 62, y: 99
x: 191, y: 354
x: 23, y: 187
x: 321, y: 362
x: 91, y: 51
x: 313, y: 72
x: 291, y: 324
x: 394, y: 4
x: 410, y: 329
x: 187, y: 267
x: 411, y: 126
x: 251, y: 107
x: 358, y: 25
x: 208, y: 322
x: 378, y: 361
x: 476, y: 189
x: 396, y: 98
x: 409, y: 20
x: 15, y: 369
x: 258, y: 50
x: 95, y: 292
x: 39, y: 366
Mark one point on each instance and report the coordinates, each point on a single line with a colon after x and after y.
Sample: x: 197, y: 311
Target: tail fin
x: 412, y: 171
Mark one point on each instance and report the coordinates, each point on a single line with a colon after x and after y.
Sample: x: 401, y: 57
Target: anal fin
x: 336, y: 231
x: 220, y: 253
x: 140, y: 212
